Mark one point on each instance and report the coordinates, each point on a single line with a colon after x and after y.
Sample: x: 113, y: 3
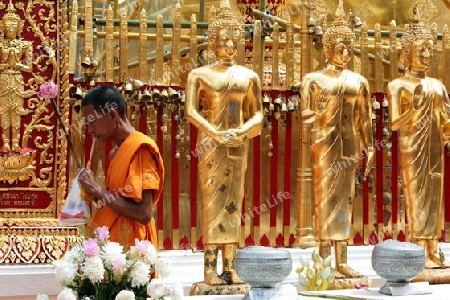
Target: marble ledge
x: 24, y: 282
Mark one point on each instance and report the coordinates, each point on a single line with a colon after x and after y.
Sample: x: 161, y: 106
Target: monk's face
x: 421, y: 52
x: 226, y: 44
x: 99, y: 123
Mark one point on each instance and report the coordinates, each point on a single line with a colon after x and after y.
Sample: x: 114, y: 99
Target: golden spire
x: 416, y: 30
x: 224, y: 4
x: 338, y: 29
x: 11, y: 14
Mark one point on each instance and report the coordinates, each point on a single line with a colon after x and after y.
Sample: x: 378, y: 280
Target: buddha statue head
x: 224, y: 32
x: 338, y: 40
x: 12, y: 25
x: 417, y: 44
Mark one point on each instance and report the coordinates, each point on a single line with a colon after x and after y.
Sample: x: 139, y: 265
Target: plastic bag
x: 75, y: 210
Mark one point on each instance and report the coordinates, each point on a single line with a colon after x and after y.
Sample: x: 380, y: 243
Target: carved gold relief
x: 428, y: 11
x: 33, y: 50
x: 31, y: 245
x: 364, y: 11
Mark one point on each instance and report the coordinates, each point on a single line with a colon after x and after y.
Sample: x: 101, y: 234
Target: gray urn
x: 263, y: 267
x: 398, y: 261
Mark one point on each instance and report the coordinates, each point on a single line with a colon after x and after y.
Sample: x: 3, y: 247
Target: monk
x: 135, y: 175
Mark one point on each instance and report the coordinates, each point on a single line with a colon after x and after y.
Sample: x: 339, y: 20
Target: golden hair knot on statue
x: 338, y: 29
x: 11, y: 15
x: 415, y: 31
x: 224, y: 19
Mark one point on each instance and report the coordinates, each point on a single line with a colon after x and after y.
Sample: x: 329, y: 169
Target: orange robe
x: 136, y: 166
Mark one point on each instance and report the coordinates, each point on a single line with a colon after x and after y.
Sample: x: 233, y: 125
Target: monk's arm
x: 138, y: 211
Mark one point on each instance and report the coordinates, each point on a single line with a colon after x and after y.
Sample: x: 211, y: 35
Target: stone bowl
x: 263, y: 267
x: 398, y: 261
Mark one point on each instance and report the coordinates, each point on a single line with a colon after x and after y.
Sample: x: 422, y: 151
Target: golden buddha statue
x: 336, y: 103
x: 15, y: 58
x: 418, y: 111
x: 231, y: 114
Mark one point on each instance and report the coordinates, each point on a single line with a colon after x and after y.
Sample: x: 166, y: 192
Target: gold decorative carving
x: 123, y: 47
x: 111, y: 59
x: 17, y: 167
x: 428, y: 11
x: 159, y: 49
x: 176, y: 34
x: 321, y: 8
x: 364, y: 11
x: 32, y: 234
x: 143, y: 48
x: 36, y: 245
x: 15, y: 58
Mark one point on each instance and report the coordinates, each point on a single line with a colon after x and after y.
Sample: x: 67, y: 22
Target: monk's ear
x: 114, y: 114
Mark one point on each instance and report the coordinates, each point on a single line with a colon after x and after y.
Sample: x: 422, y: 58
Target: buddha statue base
x: 203, y: 289
x: 434, y: 276
x: 17, y: 166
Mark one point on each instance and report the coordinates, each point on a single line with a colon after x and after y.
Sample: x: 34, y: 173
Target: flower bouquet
x: 101, y: 269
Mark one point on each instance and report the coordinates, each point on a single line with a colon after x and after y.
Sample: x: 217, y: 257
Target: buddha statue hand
x: 308, y: 116
x: 230, y: 138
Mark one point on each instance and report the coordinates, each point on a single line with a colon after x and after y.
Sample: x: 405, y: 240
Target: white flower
x: 93, y: 269
x: 42, y: 297
x: 66, y: 294
x: 111, y: 253
x: 163, y: 267
x: 65, y: 272
x: 125, y: 295
x: 75, y: 255
x: 177, y: 292
x: 302, y: 280
x: 304, y: 262
x: 150, y: 254
x: 156, y: 288
x: 140, y: 274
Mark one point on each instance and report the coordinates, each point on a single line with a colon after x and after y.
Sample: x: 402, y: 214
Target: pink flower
x: 91, y: 248
x: 102, y: 233
x: 48, y: 90
x: 140, y: 246
x: 359, y: 286
x: 117, y: 266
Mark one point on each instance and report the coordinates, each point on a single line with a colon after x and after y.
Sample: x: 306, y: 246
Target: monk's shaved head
x: 105, y: 97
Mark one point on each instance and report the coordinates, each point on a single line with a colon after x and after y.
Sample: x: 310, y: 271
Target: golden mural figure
x: 418, y: 110
x: 15, y: 58
x: 336, y: 101
x: 223, y: 100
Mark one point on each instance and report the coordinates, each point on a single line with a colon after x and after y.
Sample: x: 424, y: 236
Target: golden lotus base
x: 434, y: 276
x: 17, y: 166
x: 350, y: 283
x: 203, y: 289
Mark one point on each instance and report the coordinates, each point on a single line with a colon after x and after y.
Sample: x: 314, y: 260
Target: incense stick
x: 66, y: 134
x: 92, y: 149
